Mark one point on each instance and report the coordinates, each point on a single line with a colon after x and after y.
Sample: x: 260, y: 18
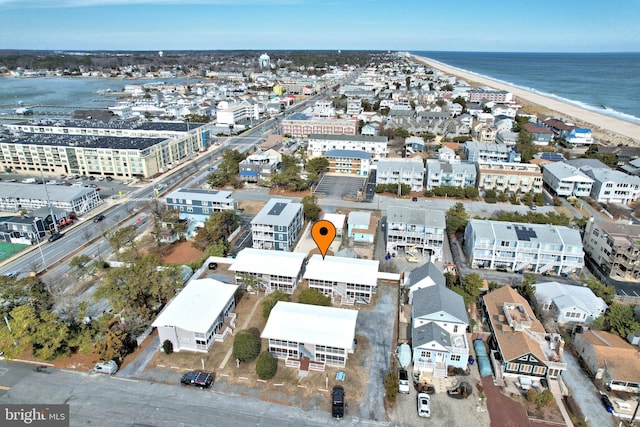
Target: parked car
x: 403, y: 381
x: 98, y: 218
x: 200, y: 379
x: 606, y: 402
x: 337, y: 402
x: 460, y: 390
x: 533, y: 207
x: 213, y: 265
x: 424, y: 405
x: 110, y: 367
x: 414, y: 199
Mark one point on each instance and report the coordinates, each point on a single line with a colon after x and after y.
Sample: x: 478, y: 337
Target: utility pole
x: 46, y: 191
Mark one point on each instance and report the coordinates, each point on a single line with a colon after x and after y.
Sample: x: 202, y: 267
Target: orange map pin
x: 323, y: 233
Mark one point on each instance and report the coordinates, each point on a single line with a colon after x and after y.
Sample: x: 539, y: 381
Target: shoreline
x: 606, y: 130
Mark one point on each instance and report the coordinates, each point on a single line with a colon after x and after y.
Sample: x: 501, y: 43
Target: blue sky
x: 460, y: 25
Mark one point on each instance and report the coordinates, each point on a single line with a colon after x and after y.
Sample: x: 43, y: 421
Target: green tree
x: 271, y: 300
x: 471, y: 193
x: 28, y: 291
x: 606, y: 292
x: 16, y: 337
x: 122, y: 238
x: 82, y: 265
x: 490, y: 196
x: 471, y: 286
x: 266, y: 366
x: 620, y: 320
x: 526, y: 289
x: 50, y: 338
x: 314, y: 297
x: 502, y: 197
x: 310, y: 207
x: 317, y: 166
x: 246, y: 346
x: 113, y: 346
x: 457, y: 218
x: 167, y: 347
x: 391, y: 384
x: 219, y: 226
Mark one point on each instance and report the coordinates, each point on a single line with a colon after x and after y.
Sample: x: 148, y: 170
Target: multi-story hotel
x: 97, y: 148
x: 509, y: 177
x: 539, y: 248
x: 319, y: 144
x: 301, y: 125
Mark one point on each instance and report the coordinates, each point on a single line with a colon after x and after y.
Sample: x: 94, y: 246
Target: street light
x: 44, y: 262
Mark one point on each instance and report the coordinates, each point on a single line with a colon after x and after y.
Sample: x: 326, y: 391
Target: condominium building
x: 345, y: 280
x: 197, y: 205
x: 319, y: 144
x: 565, y: 180
x: 277, y: 225
x: 485, y: 95
x: 614, y: 248
x: 259, y: 166
x: 415, y: 231
x: 301, y: 125
x: 15, y: 197
x: 509, y: 178
x: 510, y: 246
x: 258, y: 269
x: 483, y: 152
x: 444, y: 174
x: 115, y: 148
x: 401, y: 171
x: 612, y: 186
x: 351, y: 162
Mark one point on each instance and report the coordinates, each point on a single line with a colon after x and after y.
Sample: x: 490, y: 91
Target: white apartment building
x: 15, y: 197
x: 259, y: 269
x: 345, y: 280
x: 319, y: 144
x: 444, y: 174
x: 277, y: 225
x: 490, y: 152
x: 415, y: 231
x: 509, y: 177
x: 566, y: 180
x: 514, y: 247
x: 401, y: 171
x: 488, y: 95
x: 235, y: 114
x: 97, y: 148
x: 612, y: 186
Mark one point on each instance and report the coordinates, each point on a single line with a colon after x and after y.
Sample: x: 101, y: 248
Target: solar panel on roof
x: 525, y: 234
x: 277, y: 209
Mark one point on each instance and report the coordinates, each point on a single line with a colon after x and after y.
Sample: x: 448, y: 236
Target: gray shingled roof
x: 433, y: 299
x: 430, y: 332
x: 427, y: 270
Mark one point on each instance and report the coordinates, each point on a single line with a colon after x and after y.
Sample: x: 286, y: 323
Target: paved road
x: 585, y: 393
x: 377, y: 325
x: 99, y: 400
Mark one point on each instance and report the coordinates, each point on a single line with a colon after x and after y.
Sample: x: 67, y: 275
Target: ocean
x: 608, y: 83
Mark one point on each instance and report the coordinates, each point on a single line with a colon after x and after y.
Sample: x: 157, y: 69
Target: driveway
x: 585, y: 393
x: 377, y: 325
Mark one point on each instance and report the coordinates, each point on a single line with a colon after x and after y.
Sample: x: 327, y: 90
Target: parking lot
x: 339, y: 186
x: 445, y: 410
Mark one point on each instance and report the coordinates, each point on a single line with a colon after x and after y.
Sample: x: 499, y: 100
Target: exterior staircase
x: 439, y: 370
x: 303, y: 371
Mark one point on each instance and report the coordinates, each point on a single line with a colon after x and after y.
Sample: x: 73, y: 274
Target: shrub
x: 167, y: 347
x: 544, y: 399
x: 246, y: 346
x: 532, y: 394
x: 391, y: 386
x: 266, y: 366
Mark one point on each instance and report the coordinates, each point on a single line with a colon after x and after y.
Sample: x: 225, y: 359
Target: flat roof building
x: 322, y: 335
x: 15, y: 197
x: 277, y: 225
x: 258, y: 269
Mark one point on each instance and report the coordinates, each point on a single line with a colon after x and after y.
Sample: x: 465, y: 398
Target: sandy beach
x: 607, y: 130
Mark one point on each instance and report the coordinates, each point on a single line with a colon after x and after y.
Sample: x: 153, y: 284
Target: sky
x: 406, y: 25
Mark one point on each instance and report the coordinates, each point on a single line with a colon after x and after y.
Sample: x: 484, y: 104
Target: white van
x: 28, y: 181
x: 78, y: 184
x: 110, y: 367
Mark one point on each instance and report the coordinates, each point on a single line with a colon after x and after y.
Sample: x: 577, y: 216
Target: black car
x: 606, y: 402
x: 337, y: 402
x: 98, y: 218
x: 198, y: 378
x: 55, y: 237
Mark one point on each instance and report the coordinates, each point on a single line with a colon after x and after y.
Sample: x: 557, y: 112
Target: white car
x: 110, y: 367
x: 424, y: 406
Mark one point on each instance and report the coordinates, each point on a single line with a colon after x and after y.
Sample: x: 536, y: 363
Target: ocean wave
x: 586, y: 106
